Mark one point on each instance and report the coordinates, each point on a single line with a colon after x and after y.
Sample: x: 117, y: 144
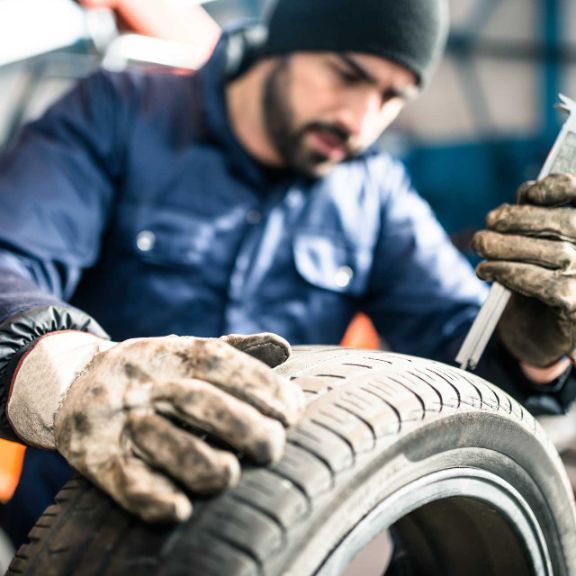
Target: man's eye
x: 390, y: 94
x: 348, y: 77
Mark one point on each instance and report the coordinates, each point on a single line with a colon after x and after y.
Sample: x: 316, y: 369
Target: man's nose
x: 359, y: 110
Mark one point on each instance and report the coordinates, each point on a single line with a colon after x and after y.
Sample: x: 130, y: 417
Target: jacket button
x: 145, y: 240
x: 344, y: 276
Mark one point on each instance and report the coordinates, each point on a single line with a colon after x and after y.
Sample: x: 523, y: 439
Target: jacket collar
x: 236, y: 51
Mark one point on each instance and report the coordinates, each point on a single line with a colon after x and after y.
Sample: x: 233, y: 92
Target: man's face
x: 320, y: 109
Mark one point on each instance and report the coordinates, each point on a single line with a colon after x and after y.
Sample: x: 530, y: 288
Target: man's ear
x: 244, y: 49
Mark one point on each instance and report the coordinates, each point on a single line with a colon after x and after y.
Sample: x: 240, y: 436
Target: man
x: 246, y: 198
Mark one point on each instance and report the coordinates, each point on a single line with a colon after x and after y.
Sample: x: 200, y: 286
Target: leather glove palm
x: 135, y: 419
x: 531, y: 250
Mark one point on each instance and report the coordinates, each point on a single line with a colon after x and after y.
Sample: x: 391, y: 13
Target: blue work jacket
x: 132, y: 200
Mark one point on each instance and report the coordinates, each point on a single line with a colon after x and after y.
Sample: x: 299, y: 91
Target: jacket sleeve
x: 56, y: 190
x: 423, y: 294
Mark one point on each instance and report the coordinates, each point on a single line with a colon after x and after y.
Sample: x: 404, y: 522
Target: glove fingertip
x: 522, y: 194
x: 267, y: 347
x: 178, y: 510
x: 478, y: 242
x: 231, y: 473
x: 225, y: 473
x: 182, y: 509
x: 271, y: 353
x: 299, y: 405
x: 269, y: 449
x: 485, y: 271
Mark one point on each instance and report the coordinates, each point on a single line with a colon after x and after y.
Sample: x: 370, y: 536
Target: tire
x: 463, y: 474
x: 6, y: 552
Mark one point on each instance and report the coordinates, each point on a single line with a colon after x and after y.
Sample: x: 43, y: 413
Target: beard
x: 288, y: 138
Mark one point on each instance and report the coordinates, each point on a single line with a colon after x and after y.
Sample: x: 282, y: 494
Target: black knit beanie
x: 409, y: 32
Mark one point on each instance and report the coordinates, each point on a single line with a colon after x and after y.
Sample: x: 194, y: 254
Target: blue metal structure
x: 463, y: 181
x: 551, y: 11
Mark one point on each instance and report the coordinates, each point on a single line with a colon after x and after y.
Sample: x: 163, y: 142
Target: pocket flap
x: 329, y: 265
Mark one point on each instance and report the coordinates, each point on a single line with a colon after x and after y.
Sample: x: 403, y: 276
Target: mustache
x: 340, y: 133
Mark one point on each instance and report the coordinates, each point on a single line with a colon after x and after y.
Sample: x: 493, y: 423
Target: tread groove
x: 320, y: 459
x: 341, y: 436
x: 389, y: 404
x: 415, y: 394
x: 416, y: 374
x: 365, y: 422
x: 238, y: 548
x: 451, y: 384
x: 359, y: 365
x: 256, y: 506
x: 296, y: 486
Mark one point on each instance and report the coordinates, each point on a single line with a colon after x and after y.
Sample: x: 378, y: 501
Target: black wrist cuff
x: 501, y: 368
x: 562, y: 389
x: 18, y: 332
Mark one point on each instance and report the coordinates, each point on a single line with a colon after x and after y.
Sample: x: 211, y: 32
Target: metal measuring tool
x: 562, y: 158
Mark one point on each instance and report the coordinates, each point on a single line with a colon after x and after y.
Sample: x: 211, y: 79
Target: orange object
x: 11, y: 459
x: 361, y: 334
x: 172, y: 20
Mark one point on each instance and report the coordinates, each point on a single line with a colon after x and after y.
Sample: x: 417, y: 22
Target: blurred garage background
x: 484, y: 125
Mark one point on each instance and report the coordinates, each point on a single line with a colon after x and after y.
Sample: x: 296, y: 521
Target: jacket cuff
x: 501, y: 368
x: 20, y: 331
x: 41, y: 380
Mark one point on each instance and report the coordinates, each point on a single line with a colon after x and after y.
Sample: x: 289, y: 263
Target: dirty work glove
x: 132, y: 416
x: 530, y: 249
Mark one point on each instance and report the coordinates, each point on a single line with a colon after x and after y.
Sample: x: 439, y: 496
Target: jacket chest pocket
x: 330, y: 265
x: 159, y: 247
x: 172, y: 239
